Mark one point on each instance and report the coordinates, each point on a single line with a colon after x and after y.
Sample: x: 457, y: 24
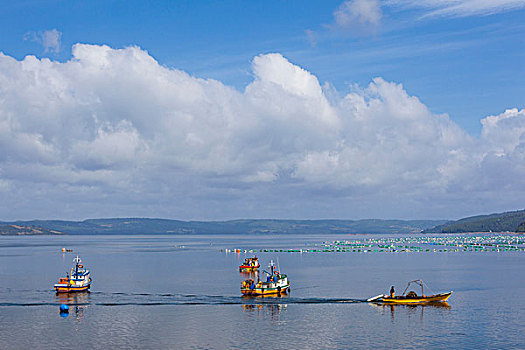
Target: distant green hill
x: 23, y: 230
x: 165, y: 226
x: 509, y: 221
x: 513, y: 221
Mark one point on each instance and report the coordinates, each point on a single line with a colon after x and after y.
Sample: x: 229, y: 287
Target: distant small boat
x: 79, y: 281
x: 276, y: 283
x: 412, y: 297
x: 250, y: 264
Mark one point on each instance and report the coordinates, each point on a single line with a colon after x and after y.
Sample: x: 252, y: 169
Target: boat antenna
x: 278, y: 267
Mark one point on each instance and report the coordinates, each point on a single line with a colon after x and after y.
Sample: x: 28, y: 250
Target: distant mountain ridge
x: 25, y: 230
x: 246, y: 226
x: 512, y: 221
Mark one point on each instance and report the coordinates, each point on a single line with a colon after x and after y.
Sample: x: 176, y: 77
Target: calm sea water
x: 149, y: 292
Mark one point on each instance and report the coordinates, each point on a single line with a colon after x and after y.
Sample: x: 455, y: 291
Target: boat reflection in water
x: 409, y: 309
x: 77, y: 302
x: 254, y: 274
x: 265, y: 310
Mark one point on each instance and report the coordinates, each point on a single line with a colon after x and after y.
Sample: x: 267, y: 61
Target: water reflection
x: 267, y: 297
x: 265, y: 310
x: 77, y: 302
x: 252, y: 273
x: 409, y: 308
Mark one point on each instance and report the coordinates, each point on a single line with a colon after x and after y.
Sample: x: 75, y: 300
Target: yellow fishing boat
x: 276, y: 284
x: 411, y: 297
x: 79, y: 281
x: 417, y: 299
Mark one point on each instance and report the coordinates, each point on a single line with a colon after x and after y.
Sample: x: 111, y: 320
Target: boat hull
x: 248, y: 268
x: 71, y: 289
x: 265, y: 291
x: 419, y: 300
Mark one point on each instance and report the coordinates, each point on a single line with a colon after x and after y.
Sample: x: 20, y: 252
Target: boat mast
x: 271, y: 266
x: 419, y: 282
x: 76, y: 261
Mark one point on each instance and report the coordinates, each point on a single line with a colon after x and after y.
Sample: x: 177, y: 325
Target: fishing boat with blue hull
x: 276, y: 283
x: 79, y: 281
x: 411, y: 297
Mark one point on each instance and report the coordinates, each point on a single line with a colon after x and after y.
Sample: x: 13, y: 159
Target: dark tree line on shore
x: 509, y: 221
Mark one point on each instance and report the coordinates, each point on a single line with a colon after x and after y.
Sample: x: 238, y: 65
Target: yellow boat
x: 412, y: 297
x: 417, y: 299
x: 276, y: 284
x: 79, y: 281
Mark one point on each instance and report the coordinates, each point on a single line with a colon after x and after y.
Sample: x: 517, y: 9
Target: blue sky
x: 466, y: 65
x: 283, y: 109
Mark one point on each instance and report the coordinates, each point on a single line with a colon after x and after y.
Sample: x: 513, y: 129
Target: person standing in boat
x: 392, y: 292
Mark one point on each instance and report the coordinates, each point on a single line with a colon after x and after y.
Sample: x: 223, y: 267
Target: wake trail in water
x: 149, y: 299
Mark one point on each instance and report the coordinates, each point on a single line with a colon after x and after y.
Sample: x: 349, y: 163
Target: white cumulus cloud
x: 113, y: 132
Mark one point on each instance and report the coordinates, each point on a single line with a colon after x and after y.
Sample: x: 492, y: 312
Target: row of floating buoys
x: 367, y: 250
x: 237, y: 250
x: 439, y: 244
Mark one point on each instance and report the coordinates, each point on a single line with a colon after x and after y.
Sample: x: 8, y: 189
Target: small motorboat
x: 249, y: 265
x: 276, y: 283
x: 411, y: 297
x: 79, y: 281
